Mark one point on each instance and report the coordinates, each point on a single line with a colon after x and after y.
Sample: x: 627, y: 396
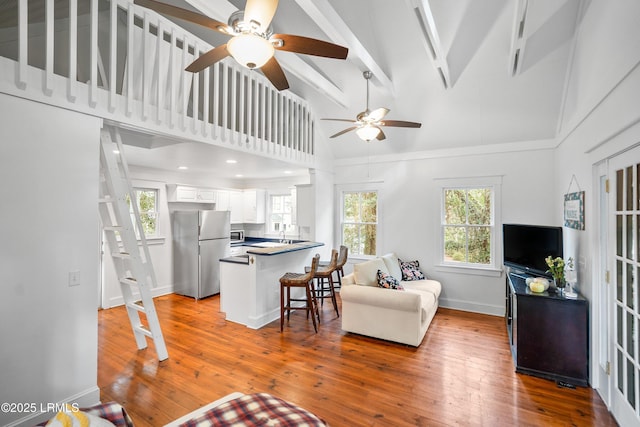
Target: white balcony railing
x: 124, y: 63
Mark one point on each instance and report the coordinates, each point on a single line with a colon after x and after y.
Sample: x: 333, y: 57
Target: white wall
x: 409, y: 203
x: 48, y: 187
x: 601, y: 120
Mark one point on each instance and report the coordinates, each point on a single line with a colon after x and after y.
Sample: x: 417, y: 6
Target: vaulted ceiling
x: 473, y: 72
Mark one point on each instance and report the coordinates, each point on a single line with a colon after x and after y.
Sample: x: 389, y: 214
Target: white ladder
x: 132, y: 261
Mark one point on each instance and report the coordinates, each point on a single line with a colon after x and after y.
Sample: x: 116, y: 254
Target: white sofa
x: 401, y: 316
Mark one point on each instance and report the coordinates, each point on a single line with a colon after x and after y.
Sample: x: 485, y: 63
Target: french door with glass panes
x: 624, y: 174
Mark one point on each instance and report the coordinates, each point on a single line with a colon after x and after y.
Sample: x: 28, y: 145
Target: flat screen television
x: 526, y: 246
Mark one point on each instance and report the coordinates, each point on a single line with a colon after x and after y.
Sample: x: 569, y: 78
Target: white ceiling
x: 485, y: 104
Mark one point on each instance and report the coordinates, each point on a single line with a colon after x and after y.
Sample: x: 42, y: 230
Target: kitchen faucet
x: 284, y: 235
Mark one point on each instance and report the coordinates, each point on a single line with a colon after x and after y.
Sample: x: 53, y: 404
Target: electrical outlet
x: 74, y: 278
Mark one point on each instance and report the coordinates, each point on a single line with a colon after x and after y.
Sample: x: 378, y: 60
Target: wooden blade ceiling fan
x: 368, y: 123
x: 252, y: 42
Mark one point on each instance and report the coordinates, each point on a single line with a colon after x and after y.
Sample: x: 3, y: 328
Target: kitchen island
x: 250, y: 283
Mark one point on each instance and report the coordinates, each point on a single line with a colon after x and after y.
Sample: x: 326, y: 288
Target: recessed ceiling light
x: 183, y: 168
x: 116, y: 151
x: 239, y: 175
x: 288, y: 172
x: 231, y: 161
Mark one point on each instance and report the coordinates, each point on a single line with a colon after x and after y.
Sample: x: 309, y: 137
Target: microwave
x: 236, y: 236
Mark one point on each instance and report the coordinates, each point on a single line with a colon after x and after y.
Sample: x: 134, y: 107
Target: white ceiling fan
x: 252, y: 42
x: 368, y: 123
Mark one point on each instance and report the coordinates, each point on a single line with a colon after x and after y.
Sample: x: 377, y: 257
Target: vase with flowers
x: 556, y: 268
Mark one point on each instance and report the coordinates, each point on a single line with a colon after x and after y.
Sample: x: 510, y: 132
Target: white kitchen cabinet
x: 181, y: 193
x: 236, y: 207
x: 185, y: 193
x: 238, y: 250
x: 254, y: 206
x: 206, y: 195
x: 222, y: 200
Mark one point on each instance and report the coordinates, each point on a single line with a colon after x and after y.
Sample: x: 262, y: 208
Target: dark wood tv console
x: 548, y: 333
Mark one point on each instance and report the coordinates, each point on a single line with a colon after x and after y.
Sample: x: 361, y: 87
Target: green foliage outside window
x: 360, y: 222
x: 148, y: 209
x: 468, y: 225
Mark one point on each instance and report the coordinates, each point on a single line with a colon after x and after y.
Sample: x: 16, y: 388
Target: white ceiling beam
x: 518, y: 37
x: 221, y: 11
x: 332, y: 24
x: 431, y: 40
x: 305, y: 72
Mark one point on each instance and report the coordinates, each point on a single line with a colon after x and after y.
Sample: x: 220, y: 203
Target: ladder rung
x: 129, y: 281
x: 107, y: 200
x: 143, y: 330
x: 136, y: 306
x: 120, y: 255
x: 112, y: 228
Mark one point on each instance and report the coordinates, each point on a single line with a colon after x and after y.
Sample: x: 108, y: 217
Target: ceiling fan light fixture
x: 250, y: 50
x: 367, y: 132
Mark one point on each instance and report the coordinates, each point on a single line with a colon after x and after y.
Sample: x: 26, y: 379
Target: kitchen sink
x: 268, y: 244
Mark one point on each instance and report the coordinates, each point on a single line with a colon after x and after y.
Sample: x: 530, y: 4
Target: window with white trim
x: 469, y: 237
x: 281, y: 208
x: 359, y: 222
x: 147, y: 203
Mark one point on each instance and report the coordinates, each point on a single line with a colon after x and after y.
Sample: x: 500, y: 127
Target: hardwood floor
x: 462, y: 374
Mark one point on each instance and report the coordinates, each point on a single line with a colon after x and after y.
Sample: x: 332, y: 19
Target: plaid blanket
x: 259, y: 409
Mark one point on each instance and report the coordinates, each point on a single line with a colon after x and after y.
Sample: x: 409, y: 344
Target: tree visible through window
x: 147, y: 201
x: 360, y: 222
x: 468, y: 225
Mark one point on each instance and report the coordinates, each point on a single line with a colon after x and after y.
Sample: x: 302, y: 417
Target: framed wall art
x: 574, y: 210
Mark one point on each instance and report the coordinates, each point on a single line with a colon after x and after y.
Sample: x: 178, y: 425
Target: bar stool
x: 324, y: 281
x: 298, y: 280
x: 342, y: 260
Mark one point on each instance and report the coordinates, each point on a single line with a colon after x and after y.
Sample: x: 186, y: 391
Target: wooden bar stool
x: 324, y: 281
x: 298, y: 280
x: 342, y: 260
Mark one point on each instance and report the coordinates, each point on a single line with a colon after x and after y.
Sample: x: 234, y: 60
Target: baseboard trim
x: 86, y: 398
x: 155, y: 292
x: 474, y: 307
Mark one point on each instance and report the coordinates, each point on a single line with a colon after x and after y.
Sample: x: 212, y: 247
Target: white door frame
x: 601, y: 290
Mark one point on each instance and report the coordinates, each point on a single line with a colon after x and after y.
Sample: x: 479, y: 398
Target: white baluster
x: 183, y: 82
x: 113, y: 46
x: 173, y: 80
x: 93, y: 64
x: 73, y: 51
x: 233, y: 102
x: 23, y: 40
x: 196, y: 91
x: 160, y: 110
x: 49, y: 48
x: 225, y: 102
x: 216, y: 98
x: 146, y: 60
x: 130, y: 59
x: 205, y: 102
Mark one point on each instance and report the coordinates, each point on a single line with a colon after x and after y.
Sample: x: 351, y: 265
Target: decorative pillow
x: 391, y: 261
x: 387, y: 281
x: 365, y: 272
x: 410, y: 270
x: 72, y: 416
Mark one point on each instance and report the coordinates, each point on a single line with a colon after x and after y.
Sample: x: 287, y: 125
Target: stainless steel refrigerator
x: 200, y: 239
